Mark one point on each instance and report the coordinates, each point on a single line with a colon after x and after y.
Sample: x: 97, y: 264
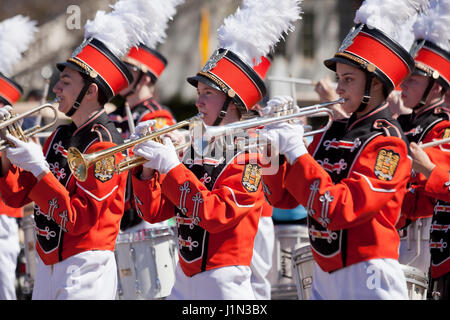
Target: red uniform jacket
x: 438, y: 184
x: 352, y: 186
x: 72, y: 216
x: 217, y: 204
x: 426, y: 197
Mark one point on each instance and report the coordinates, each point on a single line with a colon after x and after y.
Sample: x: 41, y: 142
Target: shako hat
x: 243, y: 39
x: 431, y: 49
x: 372, y: 44
x: 108, y: 37
x: 16, y: 34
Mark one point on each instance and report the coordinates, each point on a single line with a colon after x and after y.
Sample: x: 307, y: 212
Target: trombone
x: 79, y: 163
x: 13, y: 127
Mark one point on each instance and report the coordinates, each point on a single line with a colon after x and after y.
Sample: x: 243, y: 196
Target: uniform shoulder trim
x: 389, y: 128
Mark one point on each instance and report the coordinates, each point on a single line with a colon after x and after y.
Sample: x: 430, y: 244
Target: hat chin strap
x: 425, y: 94
x: 80, y: 97
x: 223, y: 112
x: 366, y: 97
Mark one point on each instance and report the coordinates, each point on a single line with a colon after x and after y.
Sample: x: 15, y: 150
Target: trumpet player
x: 351, y: 181
x: 216, y: 199
x: 424, y: 94
x: 76, y: 223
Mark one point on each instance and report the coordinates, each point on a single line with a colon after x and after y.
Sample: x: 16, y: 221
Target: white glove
x: 161, y: 157
x: 27, y: 155
x: 286, y: 138
x: 142, y: 129
x: 5, y: 112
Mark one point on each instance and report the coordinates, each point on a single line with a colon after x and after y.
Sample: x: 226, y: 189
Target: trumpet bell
x: 77, y: 163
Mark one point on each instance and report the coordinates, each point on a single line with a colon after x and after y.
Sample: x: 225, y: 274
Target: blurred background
x: 191, y: 39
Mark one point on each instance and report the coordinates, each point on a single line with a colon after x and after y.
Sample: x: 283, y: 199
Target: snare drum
x: 303, y: 266
x: 146, y: 261
x: 416, y: 282
x: 414, y: 244
x: 281, y: 275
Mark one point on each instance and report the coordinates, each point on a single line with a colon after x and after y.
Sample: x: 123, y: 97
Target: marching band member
x: 15, y: 36
x: 146, y: 65
x: 351, y: 181
x: 76, y: 222
x: 424, y: 93
x: 215, y: 193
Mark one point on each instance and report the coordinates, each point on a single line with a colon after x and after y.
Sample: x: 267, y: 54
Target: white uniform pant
x: 90, y: 275
x: 377, y: 279
x: 226, y: 283
x: 9, y: 251
x: 262, y: 258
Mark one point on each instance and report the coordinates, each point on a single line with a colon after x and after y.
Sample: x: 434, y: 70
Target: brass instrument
x: 79, y: 163
x: 314, y: 110
x: 13, y: 127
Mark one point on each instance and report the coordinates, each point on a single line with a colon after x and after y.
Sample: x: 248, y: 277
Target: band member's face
x: 135, y: 74
x: 68, y: 88
x: 209, y: 102
x: 351, y: 84
x: 413, y: 88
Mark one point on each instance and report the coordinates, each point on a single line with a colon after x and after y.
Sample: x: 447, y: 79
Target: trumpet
x: 13, y: 127
x: 79, y: 163
x: 316, y: 110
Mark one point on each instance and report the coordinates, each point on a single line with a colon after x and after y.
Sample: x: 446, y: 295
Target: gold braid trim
x: 215, y: 79
x: 430, y: 72
x: 221, y: 84
x: 84, y: 66
x: 367, y: 65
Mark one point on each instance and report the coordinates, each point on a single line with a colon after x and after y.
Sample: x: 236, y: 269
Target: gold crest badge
x: 251, y: 177
x: 160, y: 123
x: 104, y: 169
x: 386, y: 164
x: 446, y: 133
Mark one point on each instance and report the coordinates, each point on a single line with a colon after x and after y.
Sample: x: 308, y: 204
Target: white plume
x: 16, y: 35
x: 388, y: 15
x: 132, y: 22
x: 111, y: 30
x: 434, y: 24
x: 148, y: 20
x: 256, y: 28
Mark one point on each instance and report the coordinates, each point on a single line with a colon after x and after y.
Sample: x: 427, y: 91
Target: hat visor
x: 331, y: 63
x: 195, y: 79
x: 62, y: 65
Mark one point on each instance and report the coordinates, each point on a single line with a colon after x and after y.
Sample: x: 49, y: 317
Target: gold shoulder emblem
x: 386, y: 164
x: 104, y: 169
x: 251, y: 177
x: 446, y: 133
